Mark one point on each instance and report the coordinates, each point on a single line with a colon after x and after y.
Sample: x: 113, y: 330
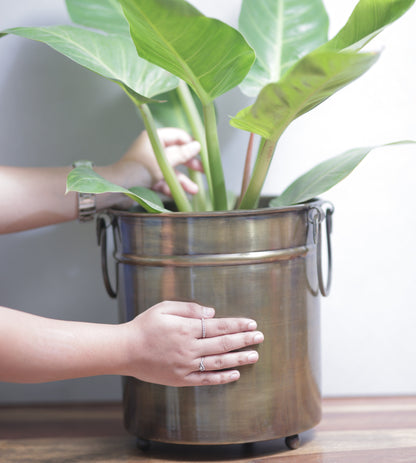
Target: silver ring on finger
x: 203, y: 328
x: 201, y: 365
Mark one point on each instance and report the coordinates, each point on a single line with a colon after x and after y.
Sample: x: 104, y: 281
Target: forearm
x: 35, y: 197
x: 35, y: 349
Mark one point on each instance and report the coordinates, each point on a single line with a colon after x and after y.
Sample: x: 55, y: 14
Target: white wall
x: 54, y: 112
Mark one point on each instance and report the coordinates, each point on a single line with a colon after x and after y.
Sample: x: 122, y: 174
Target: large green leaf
x: 367, y: 20
x: 111, y: 56
x: 281, y: 32
x: 310, y: 82
x: 105, y: 15
x: 169, y: 112
x: 324, y: 176
x: 209, y: 55
x: 86, y: 180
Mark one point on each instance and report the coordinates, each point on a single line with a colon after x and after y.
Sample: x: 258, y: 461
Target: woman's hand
x: 139, y: 164
x: 163, y: 345
x: 166, y: 345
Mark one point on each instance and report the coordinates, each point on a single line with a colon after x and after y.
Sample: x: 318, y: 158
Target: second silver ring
x: 201, y: 365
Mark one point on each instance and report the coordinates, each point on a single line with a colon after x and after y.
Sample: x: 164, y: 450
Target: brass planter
x: 264, y: 264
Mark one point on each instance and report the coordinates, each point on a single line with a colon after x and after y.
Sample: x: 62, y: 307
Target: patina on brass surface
x: 259, y: 264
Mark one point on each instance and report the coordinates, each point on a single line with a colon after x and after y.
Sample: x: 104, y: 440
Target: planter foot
x: 292, y: 442
x: 142, y: 444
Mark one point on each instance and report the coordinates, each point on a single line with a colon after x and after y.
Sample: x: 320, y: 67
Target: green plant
x: 155, y: 47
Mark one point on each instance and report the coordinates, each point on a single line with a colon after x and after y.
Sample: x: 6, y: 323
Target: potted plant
x: 218, y: 249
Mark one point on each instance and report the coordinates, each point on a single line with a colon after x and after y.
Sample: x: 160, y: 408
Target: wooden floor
x: 374, y: 430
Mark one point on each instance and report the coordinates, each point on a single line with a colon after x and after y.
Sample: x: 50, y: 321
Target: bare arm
x: 35, y: 197
x: 163, y: 345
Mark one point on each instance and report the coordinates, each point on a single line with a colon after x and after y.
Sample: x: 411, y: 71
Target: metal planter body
x: 260, y: 264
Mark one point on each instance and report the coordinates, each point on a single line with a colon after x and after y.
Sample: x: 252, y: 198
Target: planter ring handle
x: 316, y: 218
x: 102, y: 224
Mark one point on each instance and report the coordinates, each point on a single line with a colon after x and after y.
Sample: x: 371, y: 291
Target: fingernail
x: 252, y: 325
x: 253, y: 357
x: 234, y: 375
x: 208, y: 312
x: 259, y: 337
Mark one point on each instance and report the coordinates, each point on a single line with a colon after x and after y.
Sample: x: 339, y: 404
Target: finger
x: 186, y: 309
x: 211, y: 378
x: 181, y: 154
x: 173, y: 136
x: 195, y: 164
x: 162, y: 187
x: 187, y: 184
x: 221, y: 326
x: 227, y: 361
x: 229, y: 342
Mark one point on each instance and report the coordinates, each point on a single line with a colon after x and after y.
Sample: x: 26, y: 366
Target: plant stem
x: 247, y: 168
x: 199, y: 201
x: 217, y: 175
x: 168, y: 172
x: 198, y: 129
x: 261, y: 167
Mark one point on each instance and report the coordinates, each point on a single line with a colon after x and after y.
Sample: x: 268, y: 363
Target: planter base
x: 292, y: 443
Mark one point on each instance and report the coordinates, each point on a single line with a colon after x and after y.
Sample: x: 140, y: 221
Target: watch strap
x: 86, y: 201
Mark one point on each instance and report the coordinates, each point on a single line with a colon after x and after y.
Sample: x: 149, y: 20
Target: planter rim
x: 236, y: 212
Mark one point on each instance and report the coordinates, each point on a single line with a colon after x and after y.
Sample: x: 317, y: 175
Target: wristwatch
x: 86, y: 201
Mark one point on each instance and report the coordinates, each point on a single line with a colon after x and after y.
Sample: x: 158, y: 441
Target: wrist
x: 108, y: 350
x: 129, y: 340
x: 127, y: 173
x: 114, y: 174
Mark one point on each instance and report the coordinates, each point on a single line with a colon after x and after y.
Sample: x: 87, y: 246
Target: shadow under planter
x: 263, y: 264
